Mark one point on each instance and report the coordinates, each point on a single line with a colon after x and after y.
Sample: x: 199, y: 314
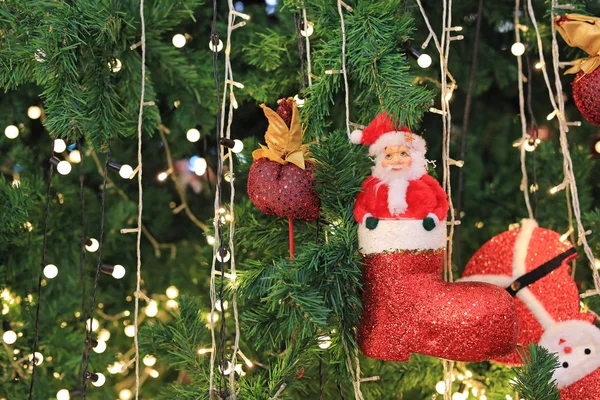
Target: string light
x: 538, y: 65
x: 530, y: 145
x: 98, y: 379
x: 59, y: 145
x: 518, y: 49
x: 198, y: 165
x: 309, y: 31
x: 11, y: 132
x: 115, y: 65
x: 151, y: 309
x: 63, y: 167
x: 100, y: 347
x: 212, y: 317
x: 63, y: 394
x: 172, y: 292
x: 117, y: 271
x: 92, y: 245
x: 9, y: 337
x: 93, y: 323
x: 223, y: 255
x: 125, y: 394
x: 149, y: 360
x: 115, y: 368
x: 75, y: 156
x: 39, y: 358
x: 171, y: 304
x: 34, y: 112
x: 210, y: 240
x: 551, y: 116
x: 423, y: 60
x: 50, y: 271
x: 221, y: 308
x: 324, y: 342
x: 219, y: 47
x: 235, y: 145
x: 162, y: 176
x: 597, y: 146
x: 193, y: 135
x: 228, y: 369
x: 154, y: 373
x: 130, y: 331
x: 458, y: 396
x: 440, y: 387
x: 104, y: 335
x: 126, y: 171
x: 179, y: 40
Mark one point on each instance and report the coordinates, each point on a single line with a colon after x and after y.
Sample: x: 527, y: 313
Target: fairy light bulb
x: 458, y: 396
x: 101, y: 379
x: 149, y: 360
x: 153, y: 373
x: 193, y: 135
x: 483, y: 397
x: 93, y: 324
x: 34, y: 112
x: 517, y: 49
x: 179, y: 40
x: 63, y: 167
x: 210, y: 240
x: 104, y: 335
x: 538, y: 65
x: 324, y: 342
x: 151, y: 309
x: 59, y: 145
x: 309, y: 31
x: 219, y: 47
x: 9, y: 337
x: 130, y: 331
x: 50, y: 271
x: 238, y: 146
x: 115, y: 368
x: 125, y: 394
x: 75, y: 156
x: 171, y: 304
x: 126, y: 171
x: 115, y: 65
x: 424, y: 61
x: 162, y: 176
x: 223, y: 255
x: 11, y: 132
x: 63, y: 394
x: 440, y: 387
x: 212, y: 317
x: 597, y: 146
x: 39, y: 358
x: 529, y: 145
x: 228, y: 368
x: 172, y: 292
x: 221, y: 306
x: 92, y: 245
x: 100, y: 347
x: 118, y: 271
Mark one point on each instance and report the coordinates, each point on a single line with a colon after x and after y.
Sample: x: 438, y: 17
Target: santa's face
x: 396, y: 158
x: 577, y: 344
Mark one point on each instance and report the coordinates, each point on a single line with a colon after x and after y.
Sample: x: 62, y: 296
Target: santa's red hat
x: 382, y: 132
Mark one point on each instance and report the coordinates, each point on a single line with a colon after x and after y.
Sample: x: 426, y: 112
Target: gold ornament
x: 583, y: 32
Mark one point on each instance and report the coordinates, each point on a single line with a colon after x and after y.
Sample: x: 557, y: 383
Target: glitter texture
x: 557, y: 291
x: 587, y: 388
x: 409, y: 308
x: 283, y: 190
x: 586, y: 93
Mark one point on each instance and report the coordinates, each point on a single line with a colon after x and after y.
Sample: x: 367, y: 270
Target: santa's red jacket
x: 423, y: 196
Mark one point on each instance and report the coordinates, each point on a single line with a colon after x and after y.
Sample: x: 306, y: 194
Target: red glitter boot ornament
x: 408, y: 307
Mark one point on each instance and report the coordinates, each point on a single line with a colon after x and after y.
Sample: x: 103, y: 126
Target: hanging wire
x: 82, y: 257
x: 39, y: 299
x: 88, y: 328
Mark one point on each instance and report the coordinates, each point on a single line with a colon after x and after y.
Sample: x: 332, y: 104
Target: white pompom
x: 356, y: 136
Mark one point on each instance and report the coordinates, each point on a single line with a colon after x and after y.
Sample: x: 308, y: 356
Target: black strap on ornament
x: 538, y: 273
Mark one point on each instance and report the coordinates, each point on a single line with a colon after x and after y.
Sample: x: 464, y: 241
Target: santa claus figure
x: 408, y: 307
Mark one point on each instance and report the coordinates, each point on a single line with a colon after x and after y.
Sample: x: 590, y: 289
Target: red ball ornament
x: 283, y: 190
x: 548, y: 309
x: 586, y: 93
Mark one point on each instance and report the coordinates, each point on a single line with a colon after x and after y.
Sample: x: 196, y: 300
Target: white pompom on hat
x: 381, y: 133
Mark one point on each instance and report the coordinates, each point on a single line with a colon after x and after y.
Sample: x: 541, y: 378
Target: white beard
x: 397, y: 183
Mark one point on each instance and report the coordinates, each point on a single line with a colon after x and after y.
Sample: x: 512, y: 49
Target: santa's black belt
x: 539, y: 272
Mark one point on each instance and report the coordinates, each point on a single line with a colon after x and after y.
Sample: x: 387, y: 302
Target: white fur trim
x: 434, y: 218
x: 521, y: 246
x: 398, y: 138
x: 397, y: 196
x: 356, y: 136
x: 578, y: 336
x: 536, y: 307
x: 400, y: 234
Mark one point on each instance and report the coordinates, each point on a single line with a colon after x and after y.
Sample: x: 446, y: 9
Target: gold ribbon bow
x: 284, y: 145
x: 583, y: 32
